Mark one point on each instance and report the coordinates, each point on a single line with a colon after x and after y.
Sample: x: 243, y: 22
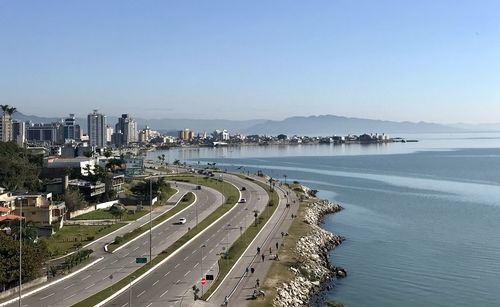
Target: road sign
x: 141, y: 260
x: 203, y: 281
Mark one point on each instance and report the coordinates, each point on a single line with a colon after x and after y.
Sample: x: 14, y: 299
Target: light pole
x: 130, y: 291
x: 150, y: 218
x: 201, y: 267
x: 20, y: 248
x: 285, y: 178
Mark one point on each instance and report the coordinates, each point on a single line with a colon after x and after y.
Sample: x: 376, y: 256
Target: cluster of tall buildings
x: 99, y: 133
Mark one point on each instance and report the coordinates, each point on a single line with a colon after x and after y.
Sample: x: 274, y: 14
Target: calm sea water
x: 422, y: 220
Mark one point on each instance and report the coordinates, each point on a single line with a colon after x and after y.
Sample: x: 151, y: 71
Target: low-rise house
x: 39, y: 208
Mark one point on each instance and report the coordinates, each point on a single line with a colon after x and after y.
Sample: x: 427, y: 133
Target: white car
x: 182, y: 220
x: 243, y: 200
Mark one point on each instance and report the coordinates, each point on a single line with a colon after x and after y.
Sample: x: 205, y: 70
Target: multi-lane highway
x: 170, y: 284
x: 114, y: 267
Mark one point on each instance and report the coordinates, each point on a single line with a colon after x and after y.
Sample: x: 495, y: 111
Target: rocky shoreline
x: 313, y: 268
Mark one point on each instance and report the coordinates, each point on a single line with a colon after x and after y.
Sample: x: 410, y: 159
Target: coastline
x: 312, y: 268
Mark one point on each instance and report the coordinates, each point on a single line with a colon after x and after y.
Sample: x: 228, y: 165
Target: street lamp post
x: 130, y: 291
x: 20, y: 248
x: 150, y: 218
x: 201, y: 266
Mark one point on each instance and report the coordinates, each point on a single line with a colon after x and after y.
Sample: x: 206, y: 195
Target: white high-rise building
x: 97, y: 129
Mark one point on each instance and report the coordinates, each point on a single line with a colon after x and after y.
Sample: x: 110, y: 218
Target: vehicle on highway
x: 243, y: 200
x: 182, y: 220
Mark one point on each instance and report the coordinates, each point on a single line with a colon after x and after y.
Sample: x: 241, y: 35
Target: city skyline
x: 422, y: 61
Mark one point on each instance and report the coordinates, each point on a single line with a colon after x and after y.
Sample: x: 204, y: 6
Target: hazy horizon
x: 387, y: 60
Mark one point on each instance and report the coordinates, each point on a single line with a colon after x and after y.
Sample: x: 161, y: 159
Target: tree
x: 108, y: 152
x: 74, y: 200
x: 18, y: 169
x: 282, y: 137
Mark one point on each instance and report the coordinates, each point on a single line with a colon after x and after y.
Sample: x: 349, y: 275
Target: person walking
x: 277, y: 245
x: 262, y: 257
x: 270, y: 250
x: 257, y: 283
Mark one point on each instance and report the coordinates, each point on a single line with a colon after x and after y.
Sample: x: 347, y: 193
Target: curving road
x: 114, y: 267
x: 170, y: 284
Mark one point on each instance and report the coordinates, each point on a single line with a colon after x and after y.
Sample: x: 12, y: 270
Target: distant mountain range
x: 300, y: 125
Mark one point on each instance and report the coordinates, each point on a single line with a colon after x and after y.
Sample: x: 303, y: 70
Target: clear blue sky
x: 397, y: 60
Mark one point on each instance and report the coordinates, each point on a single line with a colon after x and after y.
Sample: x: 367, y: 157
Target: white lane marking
x: 67, y: 298
x: 47, y: 296
x: 149, y: 304
x: 88, y: 287
x: 126, y: 254
x: 211, y: 251
x: 124, y: 304
x: 175, y: 267
x: 194, y: 252
x: 186, y: 258
x: 114, y: 261
x: 177, y: 282
x: 156, y: 282
x: 197, y: 263
x: 136, y: 248
x: 166, y: 274
x: 187, y: 273
x: 100, y: 269
x: 67, y: 287
x: 86, y: 277
x: 164, y: 293
x: 141, y: 293
x: 145, y: 242
x: 204, y: 257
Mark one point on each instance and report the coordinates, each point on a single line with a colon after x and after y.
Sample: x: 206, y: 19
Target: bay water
x: 422, y: 220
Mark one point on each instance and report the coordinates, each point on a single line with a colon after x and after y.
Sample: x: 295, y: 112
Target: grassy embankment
x: 187, y: 200
x: 72, y: 237
x: 280, y: 270
x: 239, y: 246
x: 231, y: 194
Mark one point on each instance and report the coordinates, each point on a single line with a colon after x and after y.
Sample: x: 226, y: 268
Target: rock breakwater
x: 312, y: 267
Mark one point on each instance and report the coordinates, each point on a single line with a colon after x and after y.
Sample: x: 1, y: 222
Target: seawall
x: 312, y: 268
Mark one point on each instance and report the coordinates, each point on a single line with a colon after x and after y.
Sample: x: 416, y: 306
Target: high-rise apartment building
x: 109, y: 133
x: 97, y: 129
x: 19, y: 132
x: 186, y: 134
x: 6, y: 123
x: 127, y: 126
x: 72, y: 131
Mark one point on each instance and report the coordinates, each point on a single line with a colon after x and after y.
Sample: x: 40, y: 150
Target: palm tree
x: 11, y: 110
x: 4, y: 107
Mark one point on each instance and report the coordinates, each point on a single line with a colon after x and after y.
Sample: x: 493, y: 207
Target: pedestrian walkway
x: 251, y: 270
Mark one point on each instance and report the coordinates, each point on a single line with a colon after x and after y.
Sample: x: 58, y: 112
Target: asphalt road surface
x: 171, y: 283
x: 116, y: 266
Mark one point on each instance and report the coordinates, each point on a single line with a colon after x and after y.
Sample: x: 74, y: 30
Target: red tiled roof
x: 9, y: 217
